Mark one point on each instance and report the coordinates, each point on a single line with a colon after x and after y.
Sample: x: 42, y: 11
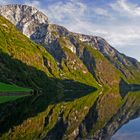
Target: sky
x: 117, y: 21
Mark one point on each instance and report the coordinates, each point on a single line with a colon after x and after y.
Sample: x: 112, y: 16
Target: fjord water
x: 130, y: 131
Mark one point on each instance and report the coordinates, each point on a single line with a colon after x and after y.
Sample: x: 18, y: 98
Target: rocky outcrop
x: 27, y: 19
x: 122, y: 62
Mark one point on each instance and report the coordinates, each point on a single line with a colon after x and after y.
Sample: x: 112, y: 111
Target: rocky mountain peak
x: 26, y: 18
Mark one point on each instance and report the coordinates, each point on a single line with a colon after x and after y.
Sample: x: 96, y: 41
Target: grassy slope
x: 105, y: 72
x: 73, y: 67
x: 6, y: 88
x: 12, y: 88
x: 131, y: 72
x: 21, y: 48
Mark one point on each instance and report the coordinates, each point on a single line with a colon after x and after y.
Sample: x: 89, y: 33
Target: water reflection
x: 130, y: 131
x: 107, y: 115
x: 110, y: 117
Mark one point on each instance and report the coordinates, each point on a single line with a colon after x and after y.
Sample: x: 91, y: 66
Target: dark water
x: 130, y: 131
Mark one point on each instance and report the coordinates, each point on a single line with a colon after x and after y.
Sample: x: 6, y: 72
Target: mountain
x: 25, y: 18
x: 79, y: 81
x: 35, y: 25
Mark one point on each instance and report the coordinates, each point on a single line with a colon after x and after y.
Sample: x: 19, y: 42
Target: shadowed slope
x: 47, y: 91
x: 125, y: 88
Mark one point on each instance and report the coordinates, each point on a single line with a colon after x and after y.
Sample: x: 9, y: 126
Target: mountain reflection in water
x: 130, y: 131
x: 108, y: 116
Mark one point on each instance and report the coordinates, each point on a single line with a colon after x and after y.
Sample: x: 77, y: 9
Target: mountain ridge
x: 49, y: 36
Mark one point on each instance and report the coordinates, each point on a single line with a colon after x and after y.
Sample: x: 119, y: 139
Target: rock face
x: 28, y: 19
x: 120, y: 61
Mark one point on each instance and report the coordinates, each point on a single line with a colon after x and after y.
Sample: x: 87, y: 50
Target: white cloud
x: 101, y: 11
x: 34, y: 3
x: 66, y: 11
x: 127, y: 8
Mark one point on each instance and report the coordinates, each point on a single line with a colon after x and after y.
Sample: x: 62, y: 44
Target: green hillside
x: 12, y: 88
x: 18, y: 47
